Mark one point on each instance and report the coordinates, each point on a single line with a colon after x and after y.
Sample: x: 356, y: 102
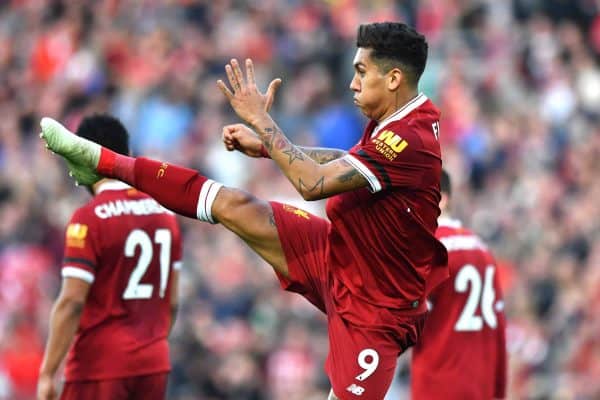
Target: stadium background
x: 518, y: 83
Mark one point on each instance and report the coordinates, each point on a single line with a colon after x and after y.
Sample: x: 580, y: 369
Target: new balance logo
x: 355, y: 389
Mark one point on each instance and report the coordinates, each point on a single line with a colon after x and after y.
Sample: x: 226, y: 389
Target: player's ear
x: 394, y: 78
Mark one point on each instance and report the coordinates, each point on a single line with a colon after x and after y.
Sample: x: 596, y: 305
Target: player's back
x: 461, y: 353
x: 126, y: 244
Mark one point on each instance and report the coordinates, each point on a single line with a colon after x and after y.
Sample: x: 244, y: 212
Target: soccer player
x: 462, y: 352
x: 118, y: 299
x: 368, y: 267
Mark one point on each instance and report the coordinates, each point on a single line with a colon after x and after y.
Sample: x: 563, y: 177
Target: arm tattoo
x: 268, y: 138
x: 316, y: 187
x: 349, y: 174
x: 273, y: 137
x: 278, y: 144
x: 294, y: 154
x: 272, y: 219
x: 322, y: 155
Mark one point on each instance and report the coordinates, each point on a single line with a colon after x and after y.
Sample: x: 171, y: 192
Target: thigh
x: 303, y: 238
x: 361, y: 362
x: 149, y: 387
x: 111, y: 389
x: 292, y: 240
x: 252, y: 220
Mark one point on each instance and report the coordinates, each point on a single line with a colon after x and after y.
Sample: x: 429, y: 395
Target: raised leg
x: 179, y: 189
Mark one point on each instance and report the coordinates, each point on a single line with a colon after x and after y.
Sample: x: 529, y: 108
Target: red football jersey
x: 462, y: 352
x: 126, y: 245
x: 382, y: 242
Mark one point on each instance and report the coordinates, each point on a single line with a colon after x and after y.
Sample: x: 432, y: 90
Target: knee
x: 232, y: 204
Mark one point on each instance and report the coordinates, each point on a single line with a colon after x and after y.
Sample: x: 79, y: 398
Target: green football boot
x: 82, y: 155
x: 77, y: 150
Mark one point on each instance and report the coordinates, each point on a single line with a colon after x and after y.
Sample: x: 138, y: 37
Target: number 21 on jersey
x: 139, y: 238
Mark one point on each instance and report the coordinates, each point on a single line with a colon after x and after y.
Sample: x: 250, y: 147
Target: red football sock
x: 174, y: 187
x: 179, y: 189
x: 115, y: 165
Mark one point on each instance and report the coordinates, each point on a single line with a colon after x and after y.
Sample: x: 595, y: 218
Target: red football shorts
x: 143, y: 387
x: 361, y: 361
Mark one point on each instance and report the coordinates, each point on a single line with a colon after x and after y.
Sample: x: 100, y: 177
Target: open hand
x: 245, y: 98
x: 240, y: 137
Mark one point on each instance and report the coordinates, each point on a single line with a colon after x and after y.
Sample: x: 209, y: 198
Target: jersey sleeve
x: 394, y: 156
x: 80, y: 251
x: 177, y: 247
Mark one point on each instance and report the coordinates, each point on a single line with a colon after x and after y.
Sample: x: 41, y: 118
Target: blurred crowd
x: 518, y: 83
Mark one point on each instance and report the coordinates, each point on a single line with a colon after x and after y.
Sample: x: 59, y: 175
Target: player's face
x: 369, y: 85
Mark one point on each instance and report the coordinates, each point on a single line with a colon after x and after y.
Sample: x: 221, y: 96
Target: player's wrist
x: 264, y: 153
x: 260, y: 123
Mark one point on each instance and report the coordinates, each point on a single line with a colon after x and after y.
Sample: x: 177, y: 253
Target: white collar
x: 449, y: 222
x: 401, y: 112
x: 112, y: 185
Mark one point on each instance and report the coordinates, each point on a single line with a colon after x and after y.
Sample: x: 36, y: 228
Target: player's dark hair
x: 106, y: 131
x: 446, y: 183
x: 395, y: 45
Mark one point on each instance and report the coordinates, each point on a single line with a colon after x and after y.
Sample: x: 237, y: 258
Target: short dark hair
x: 395, y: 45
x: 446, y: 183
x: 106, y: 131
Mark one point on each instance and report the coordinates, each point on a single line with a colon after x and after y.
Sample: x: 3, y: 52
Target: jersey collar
x: 112, y: 185
x: 402, y: 112
x: 449, y: 222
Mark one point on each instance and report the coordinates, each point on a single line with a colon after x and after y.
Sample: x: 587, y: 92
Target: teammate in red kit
x: 462, y: 352
x: 119, y: 292
x: 369, y: 266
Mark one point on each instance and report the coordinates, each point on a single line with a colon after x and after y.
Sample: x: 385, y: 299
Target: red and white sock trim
x: 208, y: 192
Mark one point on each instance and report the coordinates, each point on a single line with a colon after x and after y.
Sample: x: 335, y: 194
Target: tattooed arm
x: 311, y: 179
x: 243, y: 139
x: 316, y: 173
x: 322, y: 155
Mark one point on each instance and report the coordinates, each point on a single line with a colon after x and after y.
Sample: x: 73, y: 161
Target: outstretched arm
x: 312, y: 180
x: 240, y: 137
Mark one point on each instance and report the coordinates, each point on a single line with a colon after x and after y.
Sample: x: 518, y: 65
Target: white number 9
x: 369, y: 366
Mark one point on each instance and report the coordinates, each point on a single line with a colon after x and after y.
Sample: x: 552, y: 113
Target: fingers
x: 229, y: 129
x: 271, y: 90
x: 230, y: 146
x: 250, y: 73
x: 229, y: 136
x: 237, y: 73
x: 235, y: 85
x: 236, y: 78
x: 239, y: 84
x: 228, y: 139
x: 224, y: 89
